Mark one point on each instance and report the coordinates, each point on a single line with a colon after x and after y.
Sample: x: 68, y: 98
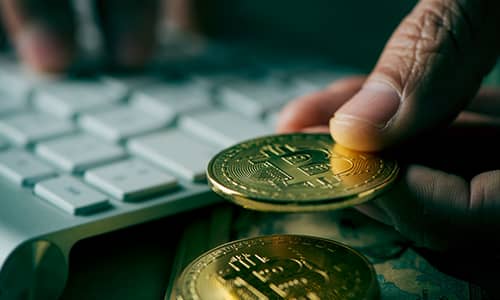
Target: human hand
x: 428, y: 73
x: 44, y: 32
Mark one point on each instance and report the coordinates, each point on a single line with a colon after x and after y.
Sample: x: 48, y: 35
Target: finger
x: 374, y: 212
x: 439, y: 210
x: 467, y: 148
x: 42, y: 31
x: 3, y: 39
x: 182, y: 14
x: 431, y: 67
x: 314, y: 110
x: 129, y: 29
x: 317, y: 108
x: 486, y: 102
x: 316, y: 129
x: 471, y: 119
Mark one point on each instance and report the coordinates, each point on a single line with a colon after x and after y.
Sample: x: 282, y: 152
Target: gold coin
x: 278, y: 267
x: 298, y: 172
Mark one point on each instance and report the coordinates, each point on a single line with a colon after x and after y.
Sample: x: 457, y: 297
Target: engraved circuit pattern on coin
x: 298, y: 172
x: 278, y: 267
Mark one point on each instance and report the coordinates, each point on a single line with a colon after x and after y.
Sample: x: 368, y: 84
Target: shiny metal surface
x: 278, y: 267
x: 35, y: 270
x: 298, y: 172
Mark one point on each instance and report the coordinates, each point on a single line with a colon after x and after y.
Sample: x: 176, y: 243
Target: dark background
x: 351, y: 32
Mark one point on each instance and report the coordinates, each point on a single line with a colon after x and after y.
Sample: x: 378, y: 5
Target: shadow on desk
x: 140, y: 262
x: 134, y: 263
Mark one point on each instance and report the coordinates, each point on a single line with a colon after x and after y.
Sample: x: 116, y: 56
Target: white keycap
x: 71, y: 195
x: 272, y: 118
x: 130, y: 180
x: 223, y: 127
x: 173, y: 97
x: 254, y: 98
x: 176, y: 151
x: 16, y: 80
x: 78, y: 152
x: 23, y: 168
x: 3, y: 143
x: 123, y: 122
x: 70, y: 97
x: 30, y: 127
x: 10, y: 103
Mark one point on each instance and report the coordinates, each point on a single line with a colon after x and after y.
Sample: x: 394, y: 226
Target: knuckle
x: 434, y: 31
x: 446, y: 22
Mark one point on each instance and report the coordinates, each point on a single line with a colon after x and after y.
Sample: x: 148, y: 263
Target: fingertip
x: 182, y: 14
x: 357, y: 135
x: 285, y: 122
x: 375, y: 212
x: 43, y: 34
x: 363, y: 123
x: 302, y: 112
x: 316, y: 129
x: 317, y: 108
x: 43, y: 51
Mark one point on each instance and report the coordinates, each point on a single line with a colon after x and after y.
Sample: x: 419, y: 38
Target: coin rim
x: 262, y: 204
x: 373, y: 288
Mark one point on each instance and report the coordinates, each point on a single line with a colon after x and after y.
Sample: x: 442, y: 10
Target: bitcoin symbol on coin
x: 279, y: 267
x: 298, y: 172
x: 250, y: 276
x: 309, y: 168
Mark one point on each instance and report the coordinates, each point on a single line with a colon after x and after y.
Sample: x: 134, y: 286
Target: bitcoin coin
x: 278, y: 267
x: 298, y: 172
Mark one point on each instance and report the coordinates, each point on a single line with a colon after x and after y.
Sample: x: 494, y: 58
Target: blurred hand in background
x: 44, y: 32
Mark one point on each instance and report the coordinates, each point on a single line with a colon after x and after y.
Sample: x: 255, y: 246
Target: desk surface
x: 137, y: 263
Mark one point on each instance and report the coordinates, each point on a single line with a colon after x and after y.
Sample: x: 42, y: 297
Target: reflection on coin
x: 278, y: 267
x: 298, y: 172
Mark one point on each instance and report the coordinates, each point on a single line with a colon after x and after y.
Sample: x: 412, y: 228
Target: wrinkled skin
x: 427, y: 78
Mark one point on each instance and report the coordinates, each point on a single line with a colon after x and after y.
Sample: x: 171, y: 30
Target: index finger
x: 43, y: 32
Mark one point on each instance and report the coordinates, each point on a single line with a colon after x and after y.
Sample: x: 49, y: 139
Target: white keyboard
x: 81, y: 157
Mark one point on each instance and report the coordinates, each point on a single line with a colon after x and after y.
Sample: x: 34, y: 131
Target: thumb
x: 431, y: 67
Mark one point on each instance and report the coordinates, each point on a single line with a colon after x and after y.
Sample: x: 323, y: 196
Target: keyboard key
x: 14, y: 79
x: 70, y: 97
x: 10, y: 103
x: 173, y: 97
x: 71, y: 195
x: 123, y: 122
x: 78, y: 152
x: 130, y: 180
x: 176, y: 151
x: 3, y: 143
x: 254, y: 98
x: 30, y: 127
x: 223, y: 127
x: 23, y: 168
x: 272, y: 118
